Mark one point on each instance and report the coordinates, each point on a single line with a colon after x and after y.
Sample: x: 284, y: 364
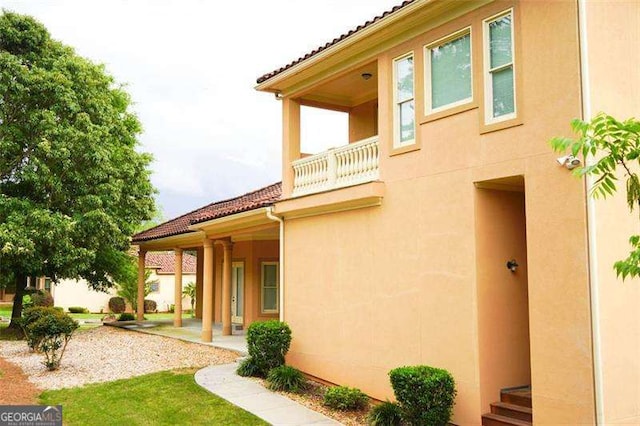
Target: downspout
x: 273, y: 217
x: 587, y: 114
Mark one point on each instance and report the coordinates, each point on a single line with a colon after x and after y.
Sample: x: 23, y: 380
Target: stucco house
x: 69, y: 293
x: 445, y: 232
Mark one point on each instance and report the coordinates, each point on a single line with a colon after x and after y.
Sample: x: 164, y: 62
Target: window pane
x: 270, y: 275
x: 503, y: 92
x: 407, y: 122
x: 270, y: 299
x: 404, y: 79
x: 500, y: 41
x: 451, y: 72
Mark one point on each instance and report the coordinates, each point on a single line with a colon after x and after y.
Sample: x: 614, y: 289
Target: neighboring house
x: 162, y: 266
x: 445, y: 233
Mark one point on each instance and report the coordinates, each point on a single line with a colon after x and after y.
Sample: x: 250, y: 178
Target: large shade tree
x: 73, y: 188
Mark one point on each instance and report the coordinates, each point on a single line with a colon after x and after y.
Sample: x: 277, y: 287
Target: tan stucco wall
x: 614, y: 67
x: 363, y: 121
x: 373, y: 289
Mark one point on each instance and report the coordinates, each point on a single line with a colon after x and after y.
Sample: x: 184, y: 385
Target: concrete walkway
x: 255, y: 398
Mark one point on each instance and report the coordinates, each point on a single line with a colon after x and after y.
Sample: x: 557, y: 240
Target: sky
x: 190, y: 67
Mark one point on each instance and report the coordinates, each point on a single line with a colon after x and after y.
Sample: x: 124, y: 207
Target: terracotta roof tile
x: 333, y: 42
x: 263, y: 197
x: 164, y: 262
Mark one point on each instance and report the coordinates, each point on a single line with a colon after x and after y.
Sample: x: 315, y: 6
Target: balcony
x: 347, y: 165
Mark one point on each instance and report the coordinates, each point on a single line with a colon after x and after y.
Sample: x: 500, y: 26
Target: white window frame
x: 262, y: 287
x: 397, y: 143
x: 428, y: 103
x: 488, y: 80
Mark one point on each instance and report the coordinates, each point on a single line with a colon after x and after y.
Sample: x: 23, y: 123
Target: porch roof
x: 335, y: 41
x: 259, y: 198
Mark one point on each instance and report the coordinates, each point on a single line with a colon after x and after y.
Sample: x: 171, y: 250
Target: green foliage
x: 29, y: 317
x: 248, y: 368
x: 385, y: 414
x: 150, y: 305
x: 172, y: 308
x: 425, y: 394
x: 73, y: 185
x: 52, y: 330
x: 164, y: 398
x: 286, y: 378
x: 190, y: 291
x: 268, y: 342
x: 78, y: 310
x: 345, y: 398
x: 126, y: 316
x: 128, y: 288
x: 42, y: 298
x: 117, y: 305
x: 616, y: 145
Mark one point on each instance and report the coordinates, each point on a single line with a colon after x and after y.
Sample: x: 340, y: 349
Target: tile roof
x: 334, y: 42
x: 164, y: 262
x: 262, y: 197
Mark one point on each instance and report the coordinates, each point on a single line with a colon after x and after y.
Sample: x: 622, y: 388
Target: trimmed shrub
x: 117, y: 305
x: 52, y: 330
x: 172, y: 308
x: 247, y: 368
x: 59, y: 308
x: 385, y: 414
x: 426, y: 394
x: 268, y: 342
x: 126, y: 316
x: 345, y: 398
x: 286, y: 378
x: 150, y: 305
x: 30, y: 316
x: 42, y: 298
x: 78, y: 310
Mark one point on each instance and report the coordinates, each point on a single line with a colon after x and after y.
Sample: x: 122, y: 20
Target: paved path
x: 255, y: 398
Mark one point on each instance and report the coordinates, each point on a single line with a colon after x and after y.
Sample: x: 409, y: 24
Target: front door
x: 237, y: 292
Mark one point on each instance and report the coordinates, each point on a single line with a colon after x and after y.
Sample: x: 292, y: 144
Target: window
x: 404, y: 113
x: 154, y: 286
x: 500, y: 97
x: 269, y: 287
x: 47, y: 284
x: 448, y: 67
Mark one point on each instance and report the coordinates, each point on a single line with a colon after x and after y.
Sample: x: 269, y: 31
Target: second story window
x: 404, y: 101
x: 448, y: 67
x: 500, y: 96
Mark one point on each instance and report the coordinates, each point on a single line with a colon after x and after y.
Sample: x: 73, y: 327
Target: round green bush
x: 425, y: 394
x: 286, y: 378
x: 345, y: 398
x: 385, y: 414
x: 40, y: 298
x: 117, y: 305
x: 126, y: 316
x: 77, y: 310
x: 30, y: 316
x: 53, y: 331
x: 267, y: 343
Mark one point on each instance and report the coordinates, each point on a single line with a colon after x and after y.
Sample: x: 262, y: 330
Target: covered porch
x: 238, y: 276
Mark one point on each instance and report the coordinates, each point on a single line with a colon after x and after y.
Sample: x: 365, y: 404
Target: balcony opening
x: 322, y: 129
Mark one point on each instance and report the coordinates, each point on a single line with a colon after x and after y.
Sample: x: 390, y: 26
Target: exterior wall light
x: 569, y: 161
x: 512, y: 265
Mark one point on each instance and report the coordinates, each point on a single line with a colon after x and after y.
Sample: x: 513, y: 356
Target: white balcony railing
x: 338, y: 167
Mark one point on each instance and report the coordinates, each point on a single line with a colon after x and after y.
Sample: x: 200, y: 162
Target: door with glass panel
x: 237, y: 292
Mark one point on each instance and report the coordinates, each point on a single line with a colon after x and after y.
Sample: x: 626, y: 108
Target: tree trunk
x: 16, y: 314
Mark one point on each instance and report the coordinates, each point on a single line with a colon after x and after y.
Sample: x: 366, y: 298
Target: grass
x: 6, y: 313
x: 165, y: 398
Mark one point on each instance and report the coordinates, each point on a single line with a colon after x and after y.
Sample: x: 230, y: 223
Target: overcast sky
x: 190, y: 67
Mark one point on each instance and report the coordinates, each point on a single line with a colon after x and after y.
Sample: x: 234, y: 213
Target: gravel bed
x: 104, y: 354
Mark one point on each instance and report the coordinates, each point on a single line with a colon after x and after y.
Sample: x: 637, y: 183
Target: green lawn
x: 6, y: 313
x: 165, y: 398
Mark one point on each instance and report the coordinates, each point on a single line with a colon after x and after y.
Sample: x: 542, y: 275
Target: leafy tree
x: 128, y: 289
x: 73, y: 188
x: 616, y: 146
x: 190, y: 291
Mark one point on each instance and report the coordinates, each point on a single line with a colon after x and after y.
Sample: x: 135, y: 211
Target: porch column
x: 140, y: 311
x: 177, y: 312
x: 291, y: 142
x: 207, y: 292
x: 226, y: 287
